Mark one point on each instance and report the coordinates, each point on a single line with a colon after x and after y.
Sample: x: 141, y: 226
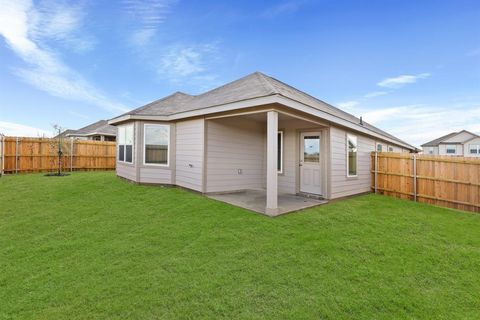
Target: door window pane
x: 311, y: 149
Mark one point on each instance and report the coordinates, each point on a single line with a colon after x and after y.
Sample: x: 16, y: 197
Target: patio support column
x: 272, y: 176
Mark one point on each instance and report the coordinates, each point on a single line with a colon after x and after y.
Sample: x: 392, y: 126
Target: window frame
x: 124, y: 127
x: 280, y: 132
x: 381, y: 147
x: 454, y: 148
x: 477, y: 148
x: 145, y: 125
x: 349, y: 135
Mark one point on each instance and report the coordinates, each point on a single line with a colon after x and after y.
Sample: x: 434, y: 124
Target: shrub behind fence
x: 20, y: 154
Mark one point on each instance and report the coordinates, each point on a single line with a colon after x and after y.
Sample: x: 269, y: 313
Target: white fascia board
x: 334, y: 119
x: 255, y: 102
x: 258, y: 102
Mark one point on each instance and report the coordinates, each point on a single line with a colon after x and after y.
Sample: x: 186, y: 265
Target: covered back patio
x: 268, y: 160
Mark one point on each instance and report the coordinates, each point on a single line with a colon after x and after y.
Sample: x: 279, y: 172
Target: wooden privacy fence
x: 440, y: 180
x: 20, y: 155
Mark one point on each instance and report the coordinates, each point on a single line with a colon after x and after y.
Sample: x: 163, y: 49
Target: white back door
x: 310, y: 163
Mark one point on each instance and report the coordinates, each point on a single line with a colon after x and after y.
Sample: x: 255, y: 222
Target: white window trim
x: 450, y: 145
x: 381, y: 147
x: 282, y: 152
x: 125, y: 145
x: 477, y: 148
x: 145, y: 149
x: 346, y: 158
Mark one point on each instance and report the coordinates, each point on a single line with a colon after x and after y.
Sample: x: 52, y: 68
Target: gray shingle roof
x: 255, y: 85
x: 101, y: 127
x: 437, y: 141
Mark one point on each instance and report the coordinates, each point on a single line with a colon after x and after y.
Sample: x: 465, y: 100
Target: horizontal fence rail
x: 22, y: 155
x: 446, y: 181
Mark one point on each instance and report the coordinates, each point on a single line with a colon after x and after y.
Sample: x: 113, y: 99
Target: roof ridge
x: 266, y: 81
x: 158, y: 100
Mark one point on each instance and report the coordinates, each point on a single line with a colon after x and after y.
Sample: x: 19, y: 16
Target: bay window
x: 125, y: 143
x: 156, y: 144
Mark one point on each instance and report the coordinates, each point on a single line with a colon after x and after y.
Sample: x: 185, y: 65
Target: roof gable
x: 255, y: 85
x: 453, y: 137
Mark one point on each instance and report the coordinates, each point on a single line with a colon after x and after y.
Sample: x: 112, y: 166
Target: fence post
x: 414, y: 177
x: 376, y: 170
x: 71, y: 154
x: 16, y: 155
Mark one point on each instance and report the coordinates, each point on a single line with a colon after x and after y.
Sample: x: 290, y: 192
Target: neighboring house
x: 463, y: 143
x: 255, y: 133
x: 98, y: 131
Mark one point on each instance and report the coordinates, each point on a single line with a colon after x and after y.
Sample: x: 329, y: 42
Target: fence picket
x: 20, y: 155
x: 440, y: 180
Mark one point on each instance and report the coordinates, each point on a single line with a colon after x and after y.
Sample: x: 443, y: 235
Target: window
x: 351, y: 155
x: 125, y: 143
x: 280, y: 152
x: 474, y: 148
x: 156, y: 144
x: 311, y: 149
x: 451, y: 149
x: 379, y: 147
x: 390, y: 149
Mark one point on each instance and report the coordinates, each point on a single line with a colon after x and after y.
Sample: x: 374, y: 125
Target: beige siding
x: 466, y: 148
x: 189, y: 154
x: 341, y: 185
x: 233, y: 144
x: 442, y: 150
x: 430, y: 150
x: 126, y: 171
x: 155, y: 175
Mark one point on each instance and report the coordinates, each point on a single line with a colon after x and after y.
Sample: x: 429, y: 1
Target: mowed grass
x: 92, y: 246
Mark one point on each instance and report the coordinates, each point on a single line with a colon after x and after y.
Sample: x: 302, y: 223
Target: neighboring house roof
x: 98, y: 128
x: 255, y: 85
x: 438, y: 141
x: 64, y: 133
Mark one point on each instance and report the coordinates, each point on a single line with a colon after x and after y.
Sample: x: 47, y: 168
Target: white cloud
x: 20, y: 130
x: 402, y: 80
x: 375, y: 94
x: 46, y: 70
x: 147, y: 15
x: 418, y: 124
x: 61, y: 22
x: 347, y: 104
x: 191, y: 61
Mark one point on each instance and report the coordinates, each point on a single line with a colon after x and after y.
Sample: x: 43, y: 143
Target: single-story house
x: 98, y: 131
x: 462, y: 143
x: 255, y: 133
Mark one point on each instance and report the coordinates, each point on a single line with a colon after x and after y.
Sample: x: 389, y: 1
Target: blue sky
x: 409, y: 67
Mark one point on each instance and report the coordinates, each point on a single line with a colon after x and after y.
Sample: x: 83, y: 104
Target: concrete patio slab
x: 255, y: 200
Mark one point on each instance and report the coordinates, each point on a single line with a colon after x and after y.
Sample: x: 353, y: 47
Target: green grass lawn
x: 93, y: 246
